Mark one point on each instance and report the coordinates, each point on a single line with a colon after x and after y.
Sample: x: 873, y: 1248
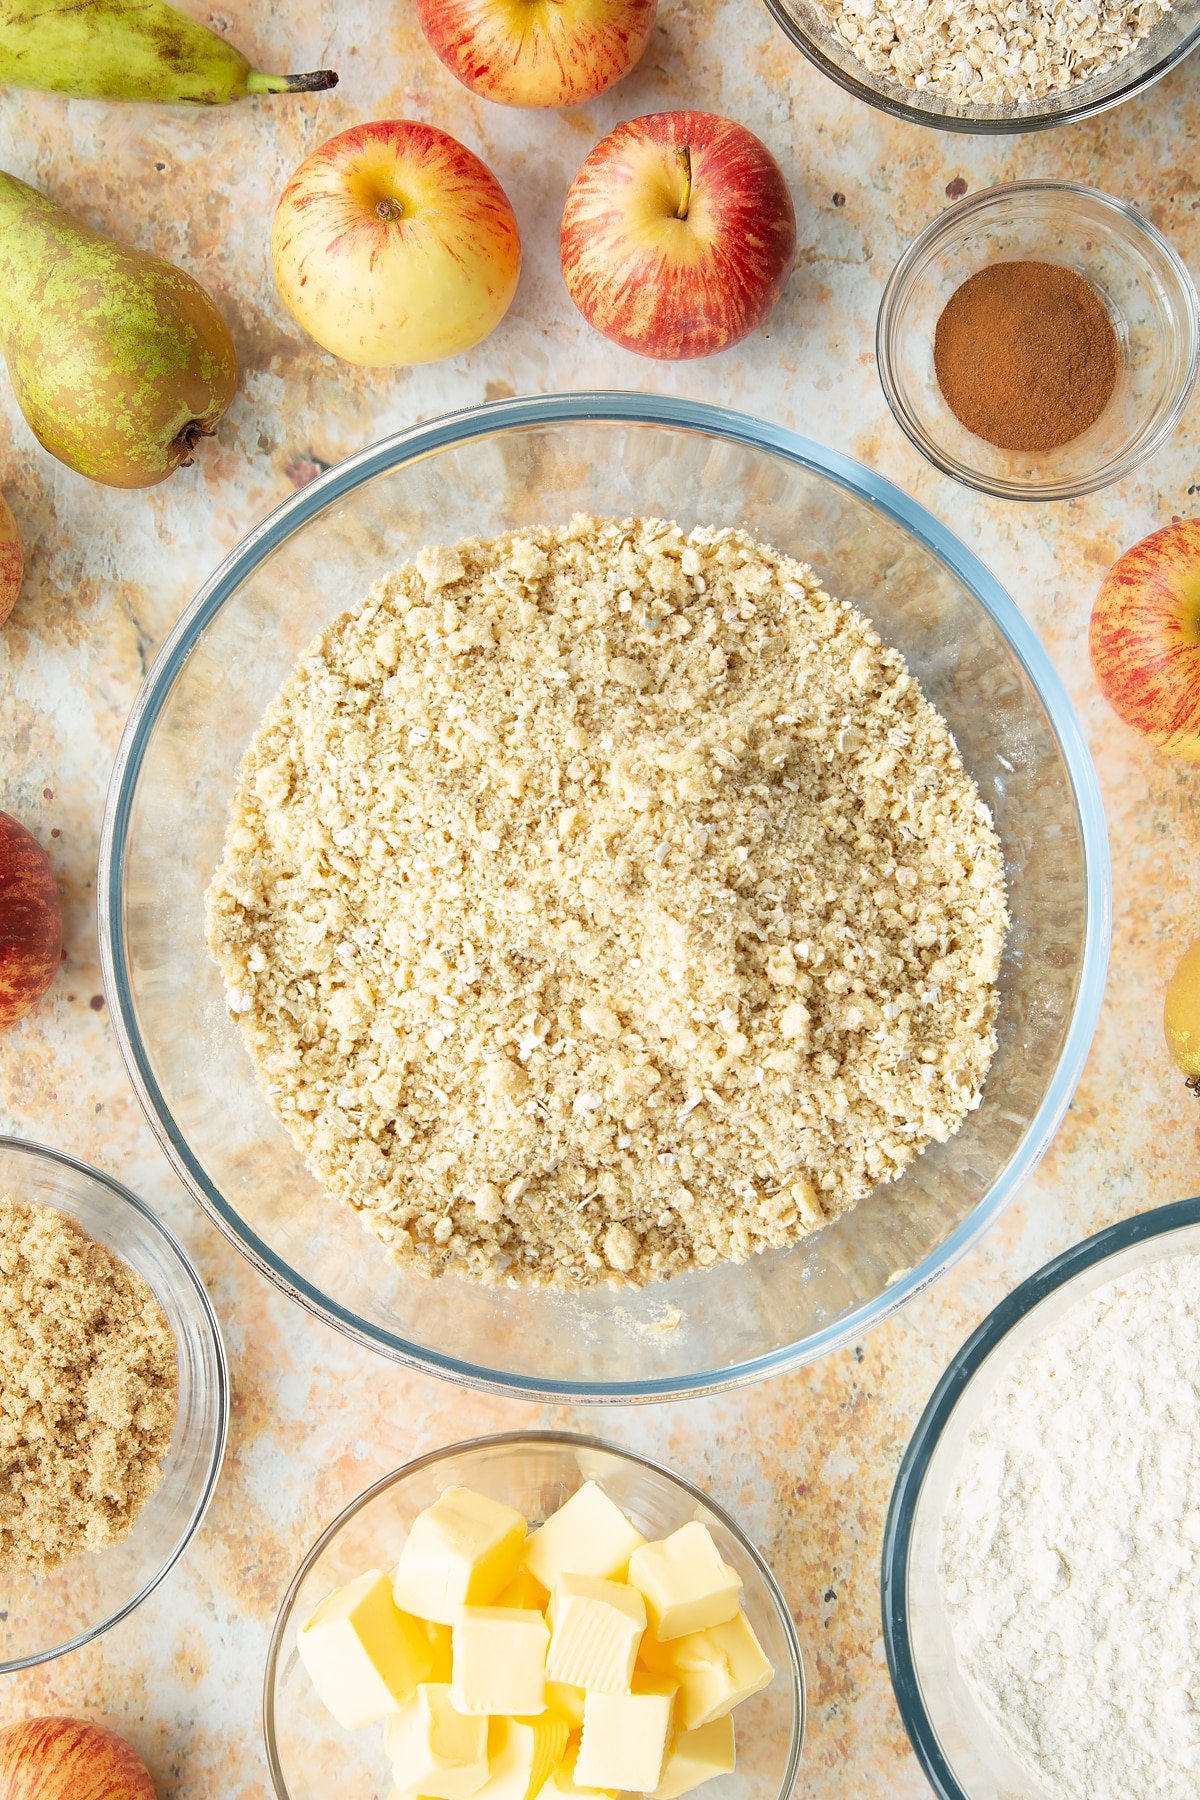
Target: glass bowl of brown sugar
x: 92, y: 1282
x: 1038, y: 340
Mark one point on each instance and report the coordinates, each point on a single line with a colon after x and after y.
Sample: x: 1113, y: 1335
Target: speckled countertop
x: 808, y: 1461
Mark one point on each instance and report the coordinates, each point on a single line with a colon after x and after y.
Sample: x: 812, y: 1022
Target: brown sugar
x: 1026, y: 355
x: 88, y: 1390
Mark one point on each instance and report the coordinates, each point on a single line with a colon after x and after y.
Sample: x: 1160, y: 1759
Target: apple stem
x: 1193, y: 1084
x: 388, y: 209
x: 684, y: 154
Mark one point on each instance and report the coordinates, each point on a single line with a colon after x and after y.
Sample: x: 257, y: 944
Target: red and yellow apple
x: 1145, y: 638
x: 30, y: 929
x: 12, y: 560
x: 69, y: 1759
x: 393, y: 243
x: 538, y: 52
x: 678, y: 234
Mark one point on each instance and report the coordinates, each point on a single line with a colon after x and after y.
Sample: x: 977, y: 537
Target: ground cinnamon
x: 1026, y: 355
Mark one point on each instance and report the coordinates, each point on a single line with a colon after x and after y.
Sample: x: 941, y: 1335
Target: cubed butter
x: 364, y: 1656
x: 439, y: 1648
x: 716, y: 1669
x: 435, y: 1750
x: 588, y: 1535
x: 461, y: 1551
x: 695, y: 1757
x: 562, y: 1785
x: 499, y: 1661
x: 522, y: 1754
x: 567, y: 1700
x: 684, y: 1582
x: 523, y: 1590
x: 596, y: 1627
x: 626, y: 1737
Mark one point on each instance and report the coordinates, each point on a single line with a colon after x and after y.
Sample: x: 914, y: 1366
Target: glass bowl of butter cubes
x: 528, y: 1617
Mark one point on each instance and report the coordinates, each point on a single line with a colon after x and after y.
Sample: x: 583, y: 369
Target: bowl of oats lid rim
x: 114, y: 1403
x: 1038, y: 340
x: 1041, y: 1560
x: 596, y: 1491
x: 991, y: 66
x: 502, y: 974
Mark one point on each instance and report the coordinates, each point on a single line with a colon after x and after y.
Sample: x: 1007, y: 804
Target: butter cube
x: 684, y: 1582
x: 364, y: 1656
x: 596, y: 1628
x: 522, y: 1754
x: 439, y: 1649
x: 716, y: 1669
x: 500, y: 1660
x: 562, y: 1785
x: 697, y: 1756
x: 435, y: 1750
x: 460, y: 1552
x: 567, y: 1701
x: 588, y: 1535
x: 626, y: 1737
x: 523, y: 1590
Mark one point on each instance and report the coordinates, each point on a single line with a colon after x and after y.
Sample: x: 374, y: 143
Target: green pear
x: 130, y: 50
x: 121, y: 362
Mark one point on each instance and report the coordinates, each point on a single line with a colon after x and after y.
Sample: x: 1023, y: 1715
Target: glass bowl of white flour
x: 1041, y: 1563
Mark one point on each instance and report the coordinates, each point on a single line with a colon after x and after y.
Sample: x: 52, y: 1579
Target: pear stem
x: 314, y: 83
x: 189, y: 437
x: 684, y: 157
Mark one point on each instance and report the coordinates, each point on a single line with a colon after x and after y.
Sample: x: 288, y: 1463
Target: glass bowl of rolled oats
x: 568, y: 915
x: 991, y: 65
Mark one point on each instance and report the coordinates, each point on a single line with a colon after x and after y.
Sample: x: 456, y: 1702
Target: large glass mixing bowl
x: 533, y: 461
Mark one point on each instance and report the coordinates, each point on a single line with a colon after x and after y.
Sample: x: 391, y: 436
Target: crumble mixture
x: 993, y: 52
x: 602, y: 902
x: 88, y: 1391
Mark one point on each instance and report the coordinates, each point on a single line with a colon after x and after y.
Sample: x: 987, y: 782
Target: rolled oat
x: 993, y: 52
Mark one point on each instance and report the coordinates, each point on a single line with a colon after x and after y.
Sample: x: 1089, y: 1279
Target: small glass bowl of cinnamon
x: 1038, y: 340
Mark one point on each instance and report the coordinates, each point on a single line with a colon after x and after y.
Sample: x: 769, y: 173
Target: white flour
x: 1070, y: 1550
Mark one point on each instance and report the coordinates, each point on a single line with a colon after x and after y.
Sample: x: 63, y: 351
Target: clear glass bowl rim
x: 954, y: 1385
x: 123, y: 1196
x: 1014, y: 125
x: 618, y: 408
x: 945, y: 224
x: 525, y: 1440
